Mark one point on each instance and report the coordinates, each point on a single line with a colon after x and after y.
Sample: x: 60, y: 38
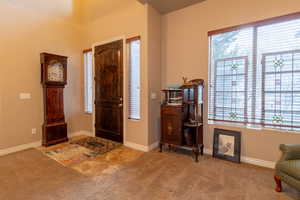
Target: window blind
x: 255, y: 75
x: 88, y: 81
x: 134, y: 78
x: 278, y: 49
x: 230, y: 76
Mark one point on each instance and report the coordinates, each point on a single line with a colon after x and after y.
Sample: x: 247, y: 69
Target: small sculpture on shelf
x: 185, y: 80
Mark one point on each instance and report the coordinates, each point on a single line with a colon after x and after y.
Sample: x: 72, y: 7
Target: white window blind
x: 278, y: 48
x: 230, y: 76
x: 88, y: 81
x: 134, y: 80
x: 255, y: 75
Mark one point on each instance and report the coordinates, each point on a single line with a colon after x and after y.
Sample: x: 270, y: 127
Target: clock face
x: 55, y: 72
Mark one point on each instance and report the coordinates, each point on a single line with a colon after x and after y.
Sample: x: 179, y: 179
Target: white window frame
x: 88, y: 81
x: 138, y: 115
x: 254, y: 25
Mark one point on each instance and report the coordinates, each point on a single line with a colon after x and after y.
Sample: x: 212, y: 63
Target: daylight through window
x: 88, y: 81
x: 134, y: 62
x: 255, y: 76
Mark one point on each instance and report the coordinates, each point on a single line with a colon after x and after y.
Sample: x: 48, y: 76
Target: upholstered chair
x: 288, y: 167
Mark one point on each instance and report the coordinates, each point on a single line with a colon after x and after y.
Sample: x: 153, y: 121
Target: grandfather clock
x: 54, y: 79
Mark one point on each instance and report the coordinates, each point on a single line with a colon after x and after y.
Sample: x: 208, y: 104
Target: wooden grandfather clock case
x: 54, y: 79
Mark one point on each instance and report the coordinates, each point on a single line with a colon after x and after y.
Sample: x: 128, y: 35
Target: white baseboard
x: 19, y: 148
x: 82, y: 132
x: 153, y: 146
x: 258, y: 162
x: 128, y: 144
x: 207, y: 151
x: 37, y: 144
x: 253, y: 161
x: 136, y: 146
x: 141, y: 147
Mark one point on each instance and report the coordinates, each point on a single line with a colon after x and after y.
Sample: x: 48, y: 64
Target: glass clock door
x: 56, y: 72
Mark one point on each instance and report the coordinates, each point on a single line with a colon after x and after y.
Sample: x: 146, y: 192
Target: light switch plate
x: 33, y: 131
x: 24, y: 96
x: 153, y: 95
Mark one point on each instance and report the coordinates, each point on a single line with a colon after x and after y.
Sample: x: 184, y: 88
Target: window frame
x: 255, y: 25
x: 245, y: 74
x: 128, y: 42
x: 264, y: 73
x: 86, y: 51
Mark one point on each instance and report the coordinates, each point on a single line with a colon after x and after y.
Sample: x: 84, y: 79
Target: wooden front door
x: 109, y: 91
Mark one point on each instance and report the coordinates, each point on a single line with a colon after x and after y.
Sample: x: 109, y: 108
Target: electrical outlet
x: 33, y: 131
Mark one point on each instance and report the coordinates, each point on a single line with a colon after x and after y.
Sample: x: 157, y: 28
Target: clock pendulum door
x: 54, y: 79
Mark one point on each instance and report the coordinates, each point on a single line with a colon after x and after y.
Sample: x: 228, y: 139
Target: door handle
x: 120, y: 105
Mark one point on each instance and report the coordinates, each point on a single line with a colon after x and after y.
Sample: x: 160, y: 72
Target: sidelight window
x: 134, y: 82
x: 88, y: 81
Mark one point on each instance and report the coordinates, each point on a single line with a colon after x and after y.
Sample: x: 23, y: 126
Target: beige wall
x: 27, y: 29
x: 105, y: 20
x: 185, y: 53
x: 154, y: 71
x: 66, y: 27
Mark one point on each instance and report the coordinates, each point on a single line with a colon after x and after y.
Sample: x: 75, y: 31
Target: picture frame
x: 227, y: 145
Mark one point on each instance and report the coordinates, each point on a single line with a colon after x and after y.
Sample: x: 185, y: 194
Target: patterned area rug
x: 97, y: 145
x: 79, y: 150
x: 91, y: 156
x: 71, y: 154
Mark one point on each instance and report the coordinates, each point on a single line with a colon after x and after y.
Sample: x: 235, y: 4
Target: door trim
x: 125, y: 99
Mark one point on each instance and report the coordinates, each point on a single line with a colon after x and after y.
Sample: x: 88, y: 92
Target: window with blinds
x: 134, y: 62
x: 255, y: 75
x: 88, y: 81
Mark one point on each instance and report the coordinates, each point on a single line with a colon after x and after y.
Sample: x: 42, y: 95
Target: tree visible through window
x: 229, y: 74
x: 281, y: 88
x: 297, y: 35
x: 255, y: 75
x: 230, y: 101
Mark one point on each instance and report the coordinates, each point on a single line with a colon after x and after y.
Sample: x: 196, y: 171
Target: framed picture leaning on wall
x: 227, y: 145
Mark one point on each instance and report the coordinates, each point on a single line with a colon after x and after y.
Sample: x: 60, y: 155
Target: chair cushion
x: 290, y: 167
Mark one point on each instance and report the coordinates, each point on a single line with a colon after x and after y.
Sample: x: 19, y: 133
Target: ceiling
x: 166, y: 6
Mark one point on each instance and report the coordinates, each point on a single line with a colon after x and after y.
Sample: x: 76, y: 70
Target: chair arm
x: 290, y: 151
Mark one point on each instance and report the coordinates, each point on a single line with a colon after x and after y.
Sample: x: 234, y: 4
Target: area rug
x: 70, y: 154
x: 91, y: 156
x: 79, y: 150
x: 97, y: 145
